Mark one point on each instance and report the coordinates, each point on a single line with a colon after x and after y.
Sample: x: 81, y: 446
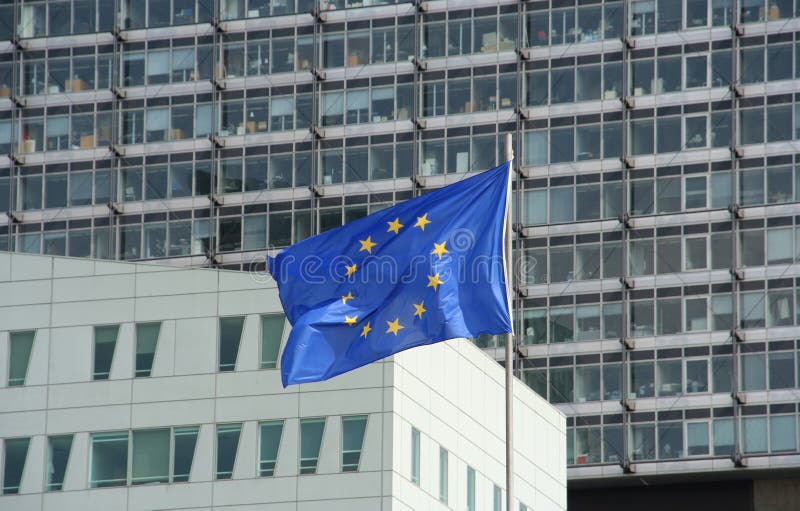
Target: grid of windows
x: 656, y: 197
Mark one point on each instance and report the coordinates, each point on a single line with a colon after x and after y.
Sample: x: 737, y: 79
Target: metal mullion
x: 625, y: 461
x: 736, y: 455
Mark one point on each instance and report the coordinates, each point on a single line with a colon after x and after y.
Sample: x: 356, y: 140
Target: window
x: 150, y: 456
x: 21, y: 344
x: 271, y: 335
x: 227, y: 444
x: 16, y: 451
x: 230, y: 335
x: 782, y: 433
x: 696, y: 376
x: 470, y: 489
x: 696, y: 438
x: 670, y: 440
x: 269, y: 442
x: 754, y: 435
x: 105, y: 341
x: 415, y: 456
x: 58, y: 449
x: 184, y: 441
x: 108, y: 459
x: 146, y: 341
x: 444, y: 474
x: 723, y: 437
x: 310, y: 442
x: 352, y: 441
x: 753, y: 372
x: 497, y: 499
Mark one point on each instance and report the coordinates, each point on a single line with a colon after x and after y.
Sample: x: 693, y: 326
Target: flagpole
x: 509, y: 339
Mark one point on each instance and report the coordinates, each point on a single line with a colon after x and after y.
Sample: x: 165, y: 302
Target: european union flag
x: 424, y: 271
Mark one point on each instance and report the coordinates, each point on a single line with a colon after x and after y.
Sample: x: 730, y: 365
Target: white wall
x: 63, y: 299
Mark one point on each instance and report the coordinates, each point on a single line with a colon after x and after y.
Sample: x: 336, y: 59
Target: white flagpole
x: 509, y: 339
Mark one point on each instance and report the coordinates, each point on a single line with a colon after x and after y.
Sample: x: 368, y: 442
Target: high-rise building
x: 656, y: 198
x: 139, y: 387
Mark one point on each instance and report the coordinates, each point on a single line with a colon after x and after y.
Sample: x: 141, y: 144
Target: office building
x: 136, y: 387
x: 656, y: 198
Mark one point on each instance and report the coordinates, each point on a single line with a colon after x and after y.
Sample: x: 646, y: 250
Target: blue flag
x: 424, y: 271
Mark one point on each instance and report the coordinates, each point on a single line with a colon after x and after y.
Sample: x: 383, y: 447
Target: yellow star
x: 433, y: 281
x: 420, y: 309
x: 367, y: 244
x: 367, y: 329
x: 394, y: 326
x: 350, y: 320
x: 348, y: 296
x: 439, y: 250
x: 422, y: 221
x: 351, y: 269
x: 394, y: 226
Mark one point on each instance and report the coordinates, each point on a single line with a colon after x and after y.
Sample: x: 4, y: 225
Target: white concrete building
x: 141, y: 387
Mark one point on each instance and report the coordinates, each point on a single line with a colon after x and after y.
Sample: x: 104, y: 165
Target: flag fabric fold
x: 426, y: 270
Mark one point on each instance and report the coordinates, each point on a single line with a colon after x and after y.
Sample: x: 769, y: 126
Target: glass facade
x: 656, y: 199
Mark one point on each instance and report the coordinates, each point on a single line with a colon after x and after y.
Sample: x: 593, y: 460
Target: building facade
x: 138, y: 387
x: 656, y: 194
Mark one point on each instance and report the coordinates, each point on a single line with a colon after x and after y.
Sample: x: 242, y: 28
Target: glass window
x: 669, y: 377
x: 643, y: 442
x: 16, y: 452
x: 669, y: 316
x: 751, y: 310
x: 696, y: 131
x: 780, y: 246
x: 612, y: 444
x: 58, y: 449
x: 641, y: 318
x: 754, y: 435
x: 21, y: 344
x: 782, y: 433
x: 535, y: 207
x: 587, y: 383
x: 146, y: 341
x: 497, y: 499
x: 561, y: 385
x: 470, y: 489
x: 108, y: 459
x: 696, y: 376
x: 587, y: 445
x: 271, y: 336
x: 230, y: 335
x: 722, y: 370
x: 269, y: 438
x: 753, y: 372
x: 561, y: 205
x: 696, y: 314
x: 696, y: 438
x: 105, y: 341
x: 781, y: 370
x: 227, y: 444
x: 612, y: 381
x: 352, y: 441
x: 723, y: 437
x: 150, y: 456
x: 642, y: 379
x: 562, y: 326
x: 310, y: 442
x: 184, y: 442
x: 444, y: 474
x: 670, y: 440
x: 696, y: 253
x: 415, y: 440
x: 779, y: 307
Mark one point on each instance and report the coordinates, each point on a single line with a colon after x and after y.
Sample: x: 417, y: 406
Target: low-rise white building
x: 141, y: 387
